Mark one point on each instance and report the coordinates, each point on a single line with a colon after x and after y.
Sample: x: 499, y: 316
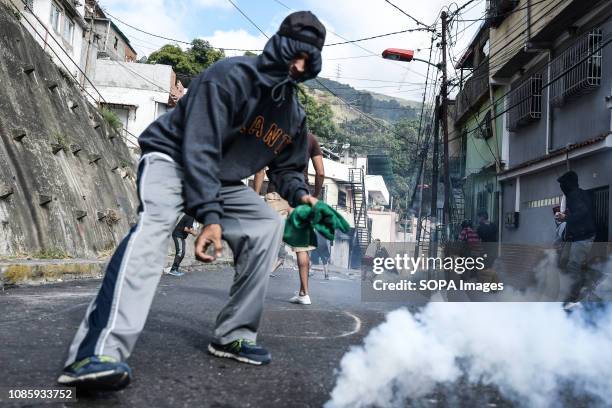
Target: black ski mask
x: 568, y: 182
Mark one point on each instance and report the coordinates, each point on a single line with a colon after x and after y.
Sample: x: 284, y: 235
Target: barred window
x: 484, y: 130
x: 571, y: 75
x: 482, y: 201
x: 524, y: 103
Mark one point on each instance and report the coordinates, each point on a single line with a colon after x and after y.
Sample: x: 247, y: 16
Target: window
x: 601, y: 207
x: 577, y: 70
x: 160, y: 109
x: 68, y: 33
x: 56, y: 15
x: 484, y: 130
x: 29, y: 4
x: 524, y: 103
x: 116, y: 44
x: 482, y: 201
x: 341, y: 199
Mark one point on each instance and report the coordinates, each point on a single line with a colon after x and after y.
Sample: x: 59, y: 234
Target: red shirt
x: 469, y: 235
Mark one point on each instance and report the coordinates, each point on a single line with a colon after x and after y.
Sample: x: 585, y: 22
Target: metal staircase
x: 458, y: 205
x: 360, y: 208
x: 425, y: 237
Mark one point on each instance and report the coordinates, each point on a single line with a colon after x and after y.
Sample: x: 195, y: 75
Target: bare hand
x: 210, y: 235
x: 310, y: 200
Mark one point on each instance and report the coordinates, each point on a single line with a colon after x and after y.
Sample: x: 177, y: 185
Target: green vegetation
x: 396, y: 140
x: 53, y: 253
x: 111, y: 118
x: 61, y: 140
x: 319, y: 117
x: 187, y: 63
x: 389, y: 110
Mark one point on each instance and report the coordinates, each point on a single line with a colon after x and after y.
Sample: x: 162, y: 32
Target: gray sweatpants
x: 116, y: 316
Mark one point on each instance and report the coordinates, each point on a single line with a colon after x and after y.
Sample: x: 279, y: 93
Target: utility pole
x: 444, y: 114
x: 434, y: 180
x: 420, y: 212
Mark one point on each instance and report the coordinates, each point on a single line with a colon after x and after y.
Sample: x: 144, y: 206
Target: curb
x: 41, y: 271
x: 48, y: 270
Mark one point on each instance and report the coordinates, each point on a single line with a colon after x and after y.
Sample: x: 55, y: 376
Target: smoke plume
x: 532, y: 353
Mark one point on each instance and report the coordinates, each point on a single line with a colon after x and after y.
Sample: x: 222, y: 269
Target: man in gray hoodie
x: 240, y: 115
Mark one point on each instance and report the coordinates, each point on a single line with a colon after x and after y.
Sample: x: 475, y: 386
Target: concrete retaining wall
x: 67, y: 181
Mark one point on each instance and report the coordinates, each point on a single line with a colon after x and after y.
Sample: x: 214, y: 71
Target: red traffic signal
x: 397, y: 54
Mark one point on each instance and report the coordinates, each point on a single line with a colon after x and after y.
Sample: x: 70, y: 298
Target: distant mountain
x: 380, y: 106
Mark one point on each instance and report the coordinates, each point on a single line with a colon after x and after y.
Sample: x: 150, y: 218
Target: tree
x: 204, y: 54
x: 319, y: 117
x: 189, y: 63
x: 397, y: 140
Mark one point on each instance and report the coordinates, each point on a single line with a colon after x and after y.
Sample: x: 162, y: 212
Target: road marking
x: 356, y: 328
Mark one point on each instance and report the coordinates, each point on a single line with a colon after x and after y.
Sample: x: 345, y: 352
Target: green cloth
x: 304, y: 220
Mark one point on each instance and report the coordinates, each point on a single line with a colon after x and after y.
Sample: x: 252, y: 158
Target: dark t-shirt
x: 314, y: 149
x: 487, y: 232
x: 179, y: 230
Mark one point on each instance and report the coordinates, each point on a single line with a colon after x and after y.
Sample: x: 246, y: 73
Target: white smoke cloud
x: 551, y: 283
x: 529, y: 351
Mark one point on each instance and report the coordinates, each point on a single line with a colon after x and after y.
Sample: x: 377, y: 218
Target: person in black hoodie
x: 579, y: 230
x: 239, y: 116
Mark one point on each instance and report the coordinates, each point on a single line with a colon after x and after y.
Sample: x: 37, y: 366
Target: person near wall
x: 579, y: 233
x: 179, y: 235
x: 241, y: 114
x: 315, y: 155
x: 470, y: 243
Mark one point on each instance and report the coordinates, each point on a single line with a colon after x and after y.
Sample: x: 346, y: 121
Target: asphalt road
x: 170, y: 363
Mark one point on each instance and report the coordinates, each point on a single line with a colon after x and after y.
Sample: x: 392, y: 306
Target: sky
x: 223, y: 26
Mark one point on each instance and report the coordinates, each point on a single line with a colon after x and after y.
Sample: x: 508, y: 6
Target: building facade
x: 475, y: 166
x: 111, y: 42
x: 552, y: 72
x: 137, y: 93
x: 59, y: 27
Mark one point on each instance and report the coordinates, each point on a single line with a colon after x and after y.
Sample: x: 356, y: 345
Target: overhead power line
x: 248, y: 18
x: 544, y: 86
x: 376, y: 36
x: 454, y: 13
x: 169, y: 38
x: 259, y: 29
x: 507, y: 13
x: 363, y: 114
x: 411, y: 17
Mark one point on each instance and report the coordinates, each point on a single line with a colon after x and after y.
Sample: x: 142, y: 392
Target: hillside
x: 380, y: 106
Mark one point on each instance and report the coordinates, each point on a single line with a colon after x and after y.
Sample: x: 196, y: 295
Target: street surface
x: 170, y: 363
